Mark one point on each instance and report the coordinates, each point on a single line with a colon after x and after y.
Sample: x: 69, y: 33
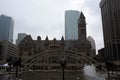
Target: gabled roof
x: 28, y: 39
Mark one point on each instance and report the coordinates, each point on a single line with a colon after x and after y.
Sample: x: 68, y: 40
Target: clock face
x: 82, y: 31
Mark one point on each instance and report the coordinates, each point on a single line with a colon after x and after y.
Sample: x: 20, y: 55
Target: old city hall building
x: 47, y: 54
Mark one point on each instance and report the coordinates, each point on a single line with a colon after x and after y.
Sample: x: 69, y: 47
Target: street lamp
x: 17, y: 63
x: 10, y: 63
x: 63, y: 64
x: 108, y: 64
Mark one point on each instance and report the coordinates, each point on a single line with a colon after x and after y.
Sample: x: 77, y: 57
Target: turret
x: 54, y: 40
x: 46, y: 42
x: 38, y: 38
x: 62, y: 42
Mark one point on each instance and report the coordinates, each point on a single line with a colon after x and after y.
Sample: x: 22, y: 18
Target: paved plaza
x: 45, y: 75
x: 54, y: 75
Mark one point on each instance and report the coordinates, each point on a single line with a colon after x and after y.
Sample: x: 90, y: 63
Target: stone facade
x: 29, y: 47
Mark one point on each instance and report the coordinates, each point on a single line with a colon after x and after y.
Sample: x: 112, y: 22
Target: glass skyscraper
x: 6, y: 28
x: 71, y: 24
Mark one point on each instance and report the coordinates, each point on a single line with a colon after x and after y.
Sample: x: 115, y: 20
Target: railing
x: 35, y: 59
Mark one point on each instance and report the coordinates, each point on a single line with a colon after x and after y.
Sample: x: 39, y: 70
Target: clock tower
x: 82, y: 28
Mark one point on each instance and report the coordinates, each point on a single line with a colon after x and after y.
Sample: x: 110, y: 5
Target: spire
x: 62, y: 42
x: 62, y: 39
x: 54, y: 40
x: 46, y: 39
x: 81, y: 19
x: 81, y: 16
x: 46, y: 42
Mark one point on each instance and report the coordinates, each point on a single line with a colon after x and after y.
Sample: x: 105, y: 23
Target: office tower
x: 110, y: 10
x: 7, y: 49
x: 21, y: 36
x: 6, y: 28
x: 71, y: 24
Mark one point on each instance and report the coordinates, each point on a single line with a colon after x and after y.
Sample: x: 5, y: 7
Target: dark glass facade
x: 0, y: 51
x: 110, y: 10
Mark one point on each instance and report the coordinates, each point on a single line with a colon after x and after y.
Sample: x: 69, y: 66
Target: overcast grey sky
x: 46, y: 17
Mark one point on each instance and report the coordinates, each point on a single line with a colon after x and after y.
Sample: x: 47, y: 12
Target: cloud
x: 46, y: 17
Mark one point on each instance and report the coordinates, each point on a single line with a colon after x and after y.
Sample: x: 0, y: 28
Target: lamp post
x: 108, y: 64
x: 10, y: 63
x: 63, y: 64
x: 17, y: 63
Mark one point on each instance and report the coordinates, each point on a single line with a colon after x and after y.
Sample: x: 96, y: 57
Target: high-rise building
x: 7, y: 50
x: 71, y: 24
x: 6, y: 28
x: 110, y: 10
x: 21, y: 36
